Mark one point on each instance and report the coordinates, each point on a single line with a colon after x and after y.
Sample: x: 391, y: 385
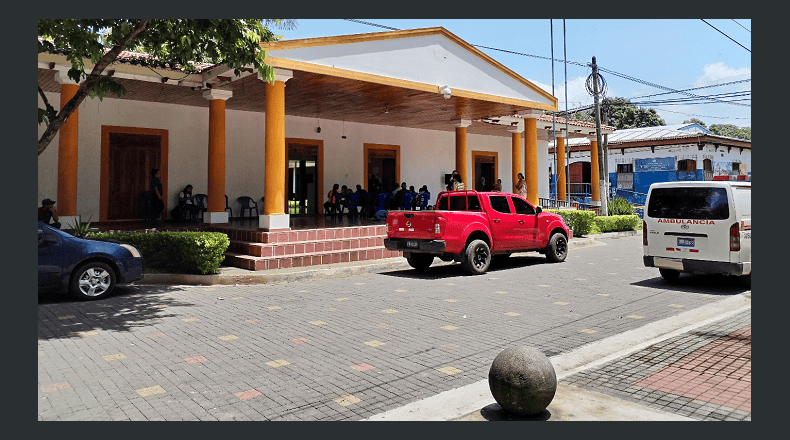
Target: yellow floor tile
x: 346, y: 400
x: 374, y: 343
x: 114, y: 357
x: 513, y: 314
x: 278, y: 363
x: 449, y: 327
x: 390, y: 311
x: 150, y: 391
x: 229, y: 337
x: 317, y: 322
x: 449, y: 370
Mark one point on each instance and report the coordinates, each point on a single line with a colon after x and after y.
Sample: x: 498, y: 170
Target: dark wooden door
x: 132, y: 156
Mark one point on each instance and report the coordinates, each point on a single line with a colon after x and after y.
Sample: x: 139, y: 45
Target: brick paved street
x: 705, y: 374
x: 345, y: 348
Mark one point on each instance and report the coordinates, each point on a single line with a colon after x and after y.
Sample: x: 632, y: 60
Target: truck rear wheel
x: 557, y: 249
x: 477, y: 257
x: 420, y: 262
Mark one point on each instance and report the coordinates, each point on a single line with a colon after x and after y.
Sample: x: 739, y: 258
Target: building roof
x: 658, y: 133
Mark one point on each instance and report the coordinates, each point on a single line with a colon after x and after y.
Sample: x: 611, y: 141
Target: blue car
x: 88, y: 269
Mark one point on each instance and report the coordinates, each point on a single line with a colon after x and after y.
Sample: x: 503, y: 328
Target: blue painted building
x: 639, y: 157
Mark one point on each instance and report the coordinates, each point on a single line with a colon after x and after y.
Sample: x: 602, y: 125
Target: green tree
x: 178, y: 43
x: 698, y: 121
x: 730, y: 130
x: 620, y: 113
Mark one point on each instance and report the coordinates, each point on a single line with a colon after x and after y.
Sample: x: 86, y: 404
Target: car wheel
x: 669, y: 274
x: 557, y: 249
x: 92, y: 280
x: 420, y: 262
x: 477, y: 257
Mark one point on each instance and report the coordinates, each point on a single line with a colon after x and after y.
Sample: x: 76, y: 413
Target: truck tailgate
x: 408, y: 224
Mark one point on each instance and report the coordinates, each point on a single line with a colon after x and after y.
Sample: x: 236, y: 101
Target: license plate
x: 412, y: 244
x: 688, y: 242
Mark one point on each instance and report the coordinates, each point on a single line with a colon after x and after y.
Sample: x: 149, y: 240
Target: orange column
x: 531, y: 158
x: 560, y: 151
x: 460, y: 151
x: 594, y: 173
x: 67, y: 155
x: 274, y: 202
x: 515, y: 156
x: 216, y: 155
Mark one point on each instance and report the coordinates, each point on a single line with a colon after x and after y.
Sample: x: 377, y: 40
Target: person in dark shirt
x: 48, y: 212
x: 397, y: 199
x: 157, y: 203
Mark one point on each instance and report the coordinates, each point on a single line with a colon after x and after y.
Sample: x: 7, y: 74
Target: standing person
x: 521, y: 186
x: 157, y: 204
x: 498, y: 185
x: 450, y: 184
x: 48, y: 212
x: 397, y: 198
x: 458, y: 184
x: 187, y: 203
x: 333, y: 199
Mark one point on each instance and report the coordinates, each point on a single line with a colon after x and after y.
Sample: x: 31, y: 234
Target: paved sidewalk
x: 237, y: 276
x: 700, y: 371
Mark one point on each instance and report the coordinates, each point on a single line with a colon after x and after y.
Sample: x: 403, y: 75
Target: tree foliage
x: 693, y: 120
x: 620, y: 113
x: 730, y: 130
x: 170, y: 43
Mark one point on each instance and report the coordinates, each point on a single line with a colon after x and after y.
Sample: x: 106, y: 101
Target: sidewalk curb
x: 234, y: 276
x: 463, y: 401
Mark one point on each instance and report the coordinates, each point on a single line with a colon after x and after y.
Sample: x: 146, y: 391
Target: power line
x: 747, y: 30
x: 696, y: 88
x: 714, y: 27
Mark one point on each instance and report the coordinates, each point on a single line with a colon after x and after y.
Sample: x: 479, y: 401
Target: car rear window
x: 695, y: 203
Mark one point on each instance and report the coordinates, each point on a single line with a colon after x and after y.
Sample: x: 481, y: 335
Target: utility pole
x: 602, y: 171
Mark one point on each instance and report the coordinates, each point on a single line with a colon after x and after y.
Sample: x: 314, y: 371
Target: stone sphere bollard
x: 522, y: 380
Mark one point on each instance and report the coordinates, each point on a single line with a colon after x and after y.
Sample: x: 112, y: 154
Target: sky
x: 639, y: 57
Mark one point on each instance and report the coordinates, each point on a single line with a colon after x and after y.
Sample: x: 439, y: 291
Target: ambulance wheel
x: 669, y: 274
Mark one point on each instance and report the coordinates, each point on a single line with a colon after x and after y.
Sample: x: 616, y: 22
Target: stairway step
x: 302, y: 235
x: 265, y: 263
x: 299, y: 248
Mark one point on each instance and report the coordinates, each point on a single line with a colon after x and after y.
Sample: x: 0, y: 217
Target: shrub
x: 620, y: 206
x: 580, y: 221
x: 616, y: 223
x: 183, y: 252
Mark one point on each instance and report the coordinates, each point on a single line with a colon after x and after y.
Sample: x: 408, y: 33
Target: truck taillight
x: 735, y: 238
x: 644, y: 233
x: 439, y: 226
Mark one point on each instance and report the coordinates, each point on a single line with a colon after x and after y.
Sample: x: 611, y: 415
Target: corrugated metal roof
x: 662, y: 132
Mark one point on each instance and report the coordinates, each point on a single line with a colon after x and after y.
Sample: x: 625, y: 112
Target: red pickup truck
x: 470, y: 227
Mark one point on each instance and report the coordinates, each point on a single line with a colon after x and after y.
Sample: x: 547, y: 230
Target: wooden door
x: 131, y: 158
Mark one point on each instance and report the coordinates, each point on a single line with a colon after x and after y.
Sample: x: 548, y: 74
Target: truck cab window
x: 522, y: 207
x: 500, y: 204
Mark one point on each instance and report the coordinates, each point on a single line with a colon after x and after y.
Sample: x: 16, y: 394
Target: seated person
x: 48, y: 212
x: 332, y: 203
x: 187, y: 203
x: 344, y: 192
x: 362, y: 198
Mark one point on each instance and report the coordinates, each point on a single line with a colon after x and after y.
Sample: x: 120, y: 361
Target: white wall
x: 426, y: 155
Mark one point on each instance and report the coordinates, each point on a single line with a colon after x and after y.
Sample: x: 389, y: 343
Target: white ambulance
x: 699, y: 228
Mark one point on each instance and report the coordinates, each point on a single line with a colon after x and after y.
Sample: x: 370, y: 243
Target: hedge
x: 617, y: 223
x: 586, y: 222
x: 580, y: 221
x: 181, y: 252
